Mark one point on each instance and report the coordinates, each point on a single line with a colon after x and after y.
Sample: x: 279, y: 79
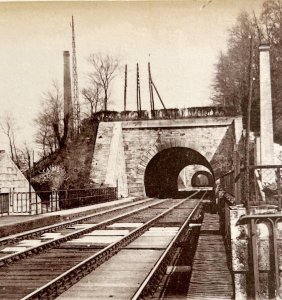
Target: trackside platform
x: 211, y: 278
x: 10, y: 225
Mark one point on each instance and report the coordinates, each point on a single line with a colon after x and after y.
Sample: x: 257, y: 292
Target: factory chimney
x: 68, y: 107
x: 266, y: 122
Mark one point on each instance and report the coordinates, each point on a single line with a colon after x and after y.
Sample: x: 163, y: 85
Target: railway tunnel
x: 202, y: 178
x: 162, y: 172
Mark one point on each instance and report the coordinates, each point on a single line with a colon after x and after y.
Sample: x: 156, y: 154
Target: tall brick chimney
x: 266, y: 122
x: 68, y: 108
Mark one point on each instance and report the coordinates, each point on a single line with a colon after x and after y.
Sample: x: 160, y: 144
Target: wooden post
x: 138, y: 92
x: 29, y: 181
x: 137, y: 83
x: 151, y: 91
x: 237, y: 179
x: 247, y: 141
x: 278, y: 180
x: 125, y: 87
x: 159, y: 97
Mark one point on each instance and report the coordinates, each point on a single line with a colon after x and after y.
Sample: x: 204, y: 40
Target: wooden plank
x: 210, y: 277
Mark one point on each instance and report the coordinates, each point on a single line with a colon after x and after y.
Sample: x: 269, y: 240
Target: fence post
x: 36, y: 204
x: 12, y: 198
x: 57, y: 199
x: 237, y: 179
x: 278, y: 180
x: 66, y: 199
x: 117, y: 190
x: 254, y: 260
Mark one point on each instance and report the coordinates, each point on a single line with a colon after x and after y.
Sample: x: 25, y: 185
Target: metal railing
x: 262, y: 221
x: 265, y: 258
x: 41, y: 202
x: 264, y: 185
x: 225, y: 202
x: 227, y: 182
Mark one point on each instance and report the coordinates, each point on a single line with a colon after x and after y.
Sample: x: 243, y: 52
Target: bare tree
x: 44, y: 136
x: 103, y: 73
x: 52, y: 132
x: 8, y: 127
x: 93, y: 98
x: 25, y: 154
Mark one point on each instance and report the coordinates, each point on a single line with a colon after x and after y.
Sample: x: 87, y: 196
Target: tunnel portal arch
x: 161, y: 173
x: 202, y: 179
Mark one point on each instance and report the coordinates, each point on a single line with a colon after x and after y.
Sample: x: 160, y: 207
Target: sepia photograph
x: 141, y: 150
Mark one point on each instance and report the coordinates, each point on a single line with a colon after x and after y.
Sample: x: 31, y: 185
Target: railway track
x: 53, y: 271
x: 32, y: 242
x: 10, y: 239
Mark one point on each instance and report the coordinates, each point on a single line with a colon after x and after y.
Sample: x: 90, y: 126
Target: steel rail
x: 64, y: 281
x: 38, y: 231
x: 73, y: 235
x: 146, y: 287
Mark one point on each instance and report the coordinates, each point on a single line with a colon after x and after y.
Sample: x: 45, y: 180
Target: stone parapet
x: 170, y: 113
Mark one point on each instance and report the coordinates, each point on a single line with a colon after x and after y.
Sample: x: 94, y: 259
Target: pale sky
x: 182, y: 38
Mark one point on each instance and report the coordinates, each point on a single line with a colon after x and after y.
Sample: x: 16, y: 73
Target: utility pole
x: 125, y: 87
x: 151, y: 87
x: 159, y: 96
x: 138, y: 93
x: 75, y: 82
x: 151, y: 91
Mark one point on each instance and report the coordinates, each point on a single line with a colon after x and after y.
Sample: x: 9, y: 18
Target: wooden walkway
x: 210, y: 277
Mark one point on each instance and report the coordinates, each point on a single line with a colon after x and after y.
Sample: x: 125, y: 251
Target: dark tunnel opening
x: 161, y: 174
x: 202, y: 179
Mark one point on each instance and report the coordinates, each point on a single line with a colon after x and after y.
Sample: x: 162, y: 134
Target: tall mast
x: 75, y: 82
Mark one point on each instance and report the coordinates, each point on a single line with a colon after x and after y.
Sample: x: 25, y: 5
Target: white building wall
x: 13, y: 181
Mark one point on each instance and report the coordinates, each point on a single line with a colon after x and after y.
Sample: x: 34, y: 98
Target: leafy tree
x: 231, y: 81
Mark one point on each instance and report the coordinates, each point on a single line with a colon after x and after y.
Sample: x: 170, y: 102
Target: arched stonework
x: 160, y: 145
x: 140, y: 141
x: 220, y: 158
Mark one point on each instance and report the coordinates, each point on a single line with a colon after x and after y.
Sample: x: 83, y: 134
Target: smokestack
x: 266, y: 122
x: 68, y: 108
